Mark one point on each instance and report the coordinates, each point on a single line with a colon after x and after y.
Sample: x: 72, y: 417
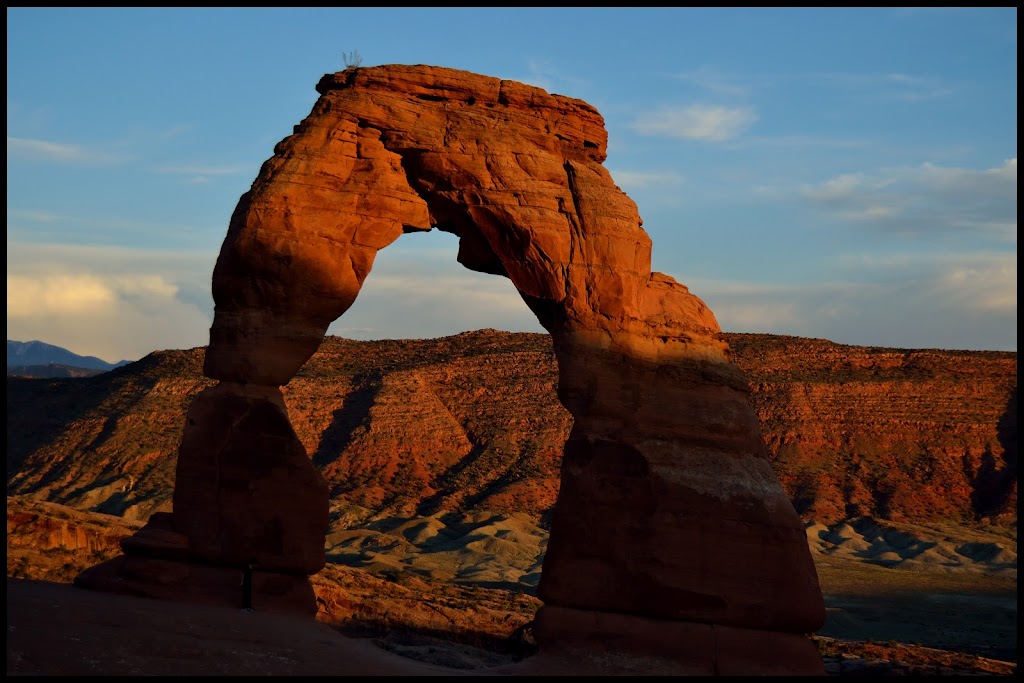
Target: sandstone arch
x: 670, y: 525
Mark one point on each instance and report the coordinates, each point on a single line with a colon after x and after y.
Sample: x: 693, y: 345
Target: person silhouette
x: 247, y: 572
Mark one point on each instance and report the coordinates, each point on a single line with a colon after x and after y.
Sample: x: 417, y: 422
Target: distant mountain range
x: 39, y: 359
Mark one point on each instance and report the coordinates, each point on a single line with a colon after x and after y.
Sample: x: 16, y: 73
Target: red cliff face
x: 389, y: 424
x: 899, y: 434
x: 49, y: 542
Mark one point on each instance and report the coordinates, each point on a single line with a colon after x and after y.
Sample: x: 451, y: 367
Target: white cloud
x: 199, y: 169
x: 842, y: 188
x: 542, y: 74
x: 396, y: 303
x: 713, y: 80
x: 47, y: 151
x: 637, y: 179
x: 80, y: 294
x: 117, y: 303
x: 889, y: 86
x: 42, y: 149
x: 109, y: 302
x: 952, y: 301
x: 33, y: 216
x: 697, y: 122
x: 904, y: 86
x: 978, y: 281
x: 37, y: 226
x: 926, y: 199
x: 417, y: 289
x: 955, y: 301
x: 791, y: 141
x: 200, y: 174
x: 125, y: 303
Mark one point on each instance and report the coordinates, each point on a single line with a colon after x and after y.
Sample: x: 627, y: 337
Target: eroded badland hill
x: 472, y: 423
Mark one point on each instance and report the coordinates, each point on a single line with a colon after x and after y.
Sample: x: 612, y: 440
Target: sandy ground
x: 61, y: 630
x: 950, y: 588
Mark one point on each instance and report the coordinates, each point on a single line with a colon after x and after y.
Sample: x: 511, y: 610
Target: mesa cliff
x: 900, y: 434
x: 472, y: 422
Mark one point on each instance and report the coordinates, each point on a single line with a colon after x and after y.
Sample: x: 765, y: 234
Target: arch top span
x: 515, y: 172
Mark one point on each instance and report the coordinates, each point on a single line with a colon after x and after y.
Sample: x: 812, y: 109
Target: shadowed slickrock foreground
x: 926, y: 616
x: 672, y: 537
x: 65, y: 631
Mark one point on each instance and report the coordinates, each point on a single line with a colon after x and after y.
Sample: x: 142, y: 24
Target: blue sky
x: 847, y: 174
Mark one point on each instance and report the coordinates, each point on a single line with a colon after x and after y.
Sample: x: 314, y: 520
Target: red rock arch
x: 668, y: 513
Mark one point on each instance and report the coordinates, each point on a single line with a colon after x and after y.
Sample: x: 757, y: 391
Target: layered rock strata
x: 472, y: 423
x: 668, y: 507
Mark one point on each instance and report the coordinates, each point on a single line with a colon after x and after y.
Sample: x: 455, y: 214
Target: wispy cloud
x: 951, y: 301
x: 200, y: 169
x: 889, y: 85
x: 112, y: 303
x: 339, y: 330
x: 804, y: 141
x: 543, y: 74
x: 58, y: 152
x: 199, y: 173
x: 418, y: 290
x: 117, y: 303
x: 39, y: 226
x: 925, y: 199
x: 32, y: 216
x: 899, y: 86
x: 710, y: 123
x: 638, y: 179
x: 398, y: 303
x: 714, y: 80
x: 80, y: 294
x: 983, y: 281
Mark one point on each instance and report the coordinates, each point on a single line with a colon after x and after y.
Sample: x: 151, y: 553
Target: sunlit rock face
x: 668, y: 507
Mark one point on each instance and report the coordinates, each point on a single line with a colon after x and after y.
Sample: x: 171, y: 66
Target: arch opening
x: 417, y: 288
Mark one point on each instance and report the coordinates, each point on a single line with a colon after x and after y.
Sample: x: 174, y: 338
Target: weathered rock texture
x: 53, y: 542
x: 668, y: 506
x: 902, y: 434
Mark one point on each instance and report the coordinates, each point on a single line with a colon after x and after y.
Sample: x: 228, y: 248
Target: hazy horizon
x: 115, y: 361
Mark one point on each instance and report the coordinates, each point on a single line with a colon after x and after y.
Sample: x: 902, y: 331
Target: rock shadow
x: 354, y: 411
x: 994, y: 482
